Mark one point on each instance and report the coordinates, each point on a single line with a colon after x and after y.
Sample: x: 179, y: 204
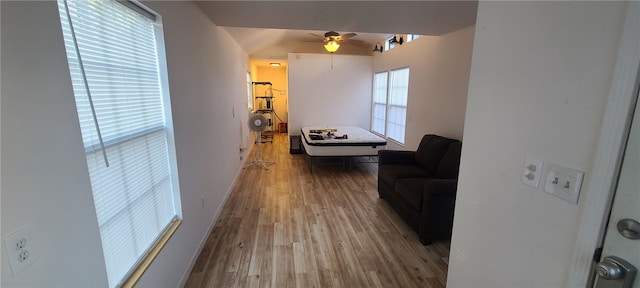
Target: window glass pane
x: 396, y: 123
x: 119, y: 63
x: 249, y: 92
x: 379, y: 102
x: 411, y: 37
x: 130, y: 197
x: 136, y: 196
x: 380, y: 88
x: 379, y: 113
x: 398, y: 92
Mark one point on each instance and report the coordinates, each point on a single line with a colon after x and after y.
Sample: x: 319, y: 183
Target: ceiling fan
x: 332, y: 40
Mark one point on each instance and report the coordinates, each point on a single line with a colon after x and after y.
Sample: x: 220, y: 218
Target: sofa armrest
x: 386, y: 157
x: 440, y: 188
x: 438, y: 204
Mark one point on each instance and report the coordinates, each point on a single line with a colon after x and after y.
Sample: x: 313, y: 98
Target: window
x: 389, y: 44
x: 398, y: 91
x: 249, y: 92
x: 379, y: 109
x: 389, y: 105
x: 411, y: 37
x: 117, y: 65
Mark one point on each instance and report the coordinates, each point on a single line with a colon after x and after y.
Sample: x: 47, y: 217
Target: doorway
x: 607, y: 164
x: 621, y: 246
x: 275, y: 72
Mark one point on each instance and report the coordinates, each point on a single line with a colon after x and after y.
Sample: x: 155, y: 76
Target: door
x: 622, y: 238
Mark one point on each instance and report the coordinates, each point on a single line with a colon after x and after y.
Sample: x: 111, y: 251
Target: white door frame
x: 623, y: 95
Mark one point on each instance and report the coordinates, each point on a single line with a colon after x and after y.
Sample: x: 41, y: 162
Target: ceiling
x: 272, y: 29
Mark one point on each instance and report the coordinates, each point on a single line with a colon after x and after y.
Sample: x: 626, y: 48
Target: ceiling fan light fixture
x: 332, y: 46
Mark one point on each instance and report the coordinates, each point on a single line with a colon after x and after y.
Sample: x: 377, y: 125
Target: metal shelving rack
x: 267, y: 109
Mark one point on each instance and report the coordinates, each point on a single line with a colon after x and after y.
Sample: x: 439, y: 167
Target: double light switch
x: 559, y: 181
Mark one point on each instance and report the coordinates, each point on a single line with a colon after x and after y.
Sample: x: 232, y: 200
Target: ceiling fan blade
x: 348, y: 35
x: 356, y: 41
x: 316, y: 35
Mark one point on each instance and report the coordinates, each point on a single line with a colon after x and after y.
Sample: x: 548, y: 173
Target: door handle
x: 609, y: 270
x: 614, y: 272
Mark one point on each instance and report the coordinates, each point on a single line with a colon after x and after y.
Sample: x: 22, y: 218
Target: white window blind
x: 397, y: 109
x: 379, y: 109
x: 249, y: 92
x: 136, y: 197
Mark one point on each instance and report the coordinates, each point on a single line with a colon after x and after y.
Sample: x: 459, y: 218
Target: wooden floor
x: 286, y: 227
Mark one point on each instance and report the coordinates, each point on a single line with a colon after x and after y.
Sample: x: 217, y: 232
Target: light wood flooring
x: 287, y: 227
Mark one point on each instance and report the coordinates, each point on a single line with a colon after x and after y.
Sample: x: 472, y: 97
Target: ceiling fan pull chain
x: 331, y: 61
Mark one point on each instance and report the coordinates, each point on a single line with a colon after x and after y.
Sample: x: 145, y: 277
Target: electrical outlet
x: 23, y: 255
x: 563, y: 182
x: 532, y: 172
x: 20, y: 250
x: 21, y: 244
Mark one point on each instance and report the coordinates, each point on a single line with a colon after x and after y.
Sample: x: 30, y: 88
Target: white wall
x: 278, y: 77
x: 540, y: 76
x: 438, y: 80
x: 207, y: 78
x: 439, y: 77
x: 319, y: 95
x: 0, y: 153
x: 45, y: 181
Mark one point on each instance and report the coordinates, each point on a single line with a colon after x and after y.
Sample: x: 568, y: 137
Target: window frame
x: 405, y: 99
x: 389, y: 106
x: 250, y: 98
x: 374, y: 116
x: 406, y: 38
x: 122, y: 139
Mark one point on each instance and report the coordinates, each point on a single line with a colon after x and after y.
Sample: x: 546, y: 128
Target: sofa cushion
x: 450, y: 163
x: 411, y: 190
x: 391, y: 173
x: 430, y: 152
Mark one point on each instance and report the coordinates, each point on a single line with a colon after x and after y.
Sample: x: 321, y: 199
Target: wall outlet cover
x: 532, y: 172
x: 563, y: 182
x: 20, y: 249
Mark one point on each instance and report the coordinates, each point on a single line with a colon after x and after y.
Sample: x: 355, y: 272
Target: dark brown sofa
x: 421, y: 185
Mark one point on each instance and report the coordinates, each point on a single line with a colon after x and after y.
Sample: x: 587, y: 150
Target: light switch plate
x: 563, y: 182
x: 532, y: 172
